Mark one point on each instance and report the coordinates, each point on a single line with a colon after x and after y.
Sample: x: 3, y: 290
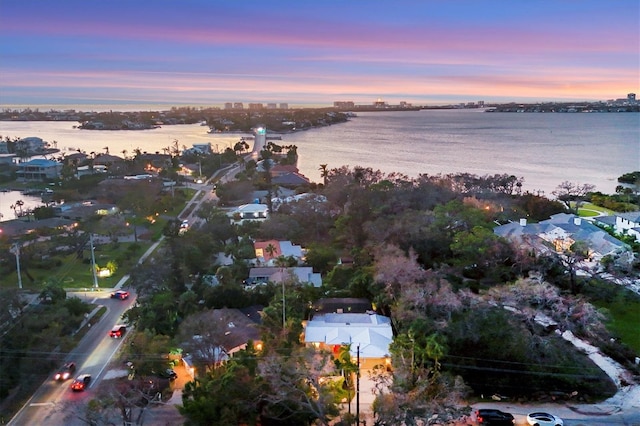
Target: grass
x: 72, y: 272
x: 589, y: 209
x: 624, y: 313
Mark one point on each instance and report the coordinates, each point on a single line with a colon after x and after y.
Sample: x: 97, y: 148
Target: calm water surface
x: 545, y: 149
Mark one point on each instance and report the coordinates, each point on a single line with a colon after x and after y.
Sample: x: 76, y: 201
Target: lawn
x: 624, y: 321
x: 72, y: 272
x: 589, y: 209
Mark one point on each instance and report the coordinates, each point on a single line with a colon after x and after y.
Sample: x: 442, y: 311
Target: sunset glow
x: 424, y: 52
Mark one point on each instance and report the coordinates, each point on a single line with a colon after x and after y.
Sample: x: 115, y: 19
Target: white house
x: 368, y: 333
x: 628, y: 223
x: 250, y: 212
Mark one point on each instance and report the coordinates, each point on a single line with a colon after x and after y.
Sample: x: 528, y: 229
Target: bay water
x: 545, y: 149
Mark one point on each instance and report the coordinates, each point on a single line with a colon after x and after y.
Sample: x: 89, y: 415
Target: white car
x: 544, y: 419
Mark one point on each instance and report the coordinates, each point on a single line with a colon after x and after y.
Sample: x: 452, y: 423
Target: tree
x: 202, y: 335
x: 324, y: 173
x: 296, y: 395
x: 270, y: 249
x: 568, y: 191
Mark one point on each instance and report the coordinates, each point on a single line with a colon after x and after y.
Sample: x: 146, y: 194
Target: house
x: 559, y: 233
x: 88, y: 170
x: 623, y: 223
x: 107, y: 160
x: 84, y: 210
x: 290, y: 180
x: 341, y: 305
x: 234, y: 329
x: 39, y: 169
x: 369, y: 335
x: 250, y: 212
x: 6, y: 159
x: 301, y: 274
x: 31, y: 145
x: 283, y: 169
x: 268, y: 251
x: 155, y: 162
x: 16, y: 228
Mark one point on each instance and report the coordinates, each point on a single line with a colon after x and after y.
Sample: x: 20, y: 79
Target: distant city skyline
x: 205, y: 53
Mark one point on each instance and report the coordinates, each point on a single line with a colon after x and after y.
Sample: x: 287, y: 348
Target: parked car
x: 65, y: 372
x: 118, y: 331
x: 81, y: 382
x: 543, y: 419
x: 168, y: 374
x: 490, y: 416
x: 120, y: 294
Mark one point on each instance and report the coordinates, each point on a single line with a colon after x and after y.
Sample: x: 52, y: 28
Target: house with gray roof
x: 369, y: 335
x: 559, y: 233
x: 301, y: 274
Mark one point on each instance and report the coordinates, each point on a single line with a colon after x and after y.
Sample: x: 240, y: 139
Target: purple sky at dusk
x: 206, y: 52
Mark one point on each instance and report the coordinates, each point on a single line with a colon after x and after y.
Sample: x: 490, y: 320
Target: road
x: 49, y: 405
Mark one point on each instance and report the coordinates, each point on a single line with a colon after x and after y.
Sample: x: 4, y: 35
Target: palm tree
x: 19, y: 204
x: 324, y: 173
x: 271, y: 249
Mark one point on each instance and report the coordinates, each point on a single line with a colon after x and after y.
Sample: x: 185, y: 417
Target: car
x: 65, y: 372
x: 81, y: 382
x: 543, y: 419
x: 168, y: 374
x: 490, y: 416
x: 118, y: 331
x: 184, y: 224
x: 120, y: 294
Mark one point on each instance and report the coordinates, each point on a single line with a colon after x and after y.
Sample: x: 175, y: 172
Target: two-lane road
x: 48, y: 405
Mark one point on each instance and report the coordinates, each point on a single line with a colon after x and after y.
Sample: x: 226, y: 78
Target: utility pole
x: 358, y: 388
x: 284, y: 318
x: 93, y: 262
x: 15, y: 249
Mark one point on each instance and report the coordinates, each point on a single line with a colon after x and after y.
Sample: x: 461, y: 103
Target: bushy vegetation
x: 422, y: 250
x: 33, y: 344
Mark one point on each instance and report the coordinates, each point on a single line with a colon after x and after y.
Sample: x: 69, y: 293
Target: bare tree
x: 568, y: 191
x: 296, y: 388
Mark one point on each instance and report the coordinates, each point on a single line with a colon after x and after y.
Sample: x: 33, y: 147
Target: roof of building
x: 578, y: 229
x: 290, y: 179
x: 346, y: 304
x: 304, y: 274
x: 16, y: 227
x: 281, y: 248
x: 630, y: 216
x: 40, y: 162
x: 369, y: 334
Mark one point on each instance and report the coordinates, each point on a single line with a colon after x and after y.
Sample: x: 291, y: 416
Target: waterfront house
x: 39, y: 169
x: 622, y: 223
x: 559, y: 233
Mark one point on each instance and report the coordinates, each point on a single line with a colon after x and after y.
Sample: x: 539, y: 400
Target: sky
x: 312, y: 53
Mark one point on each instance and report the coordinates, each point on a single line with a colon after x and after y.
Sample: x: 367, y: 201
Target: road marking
x: 41, y: 404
